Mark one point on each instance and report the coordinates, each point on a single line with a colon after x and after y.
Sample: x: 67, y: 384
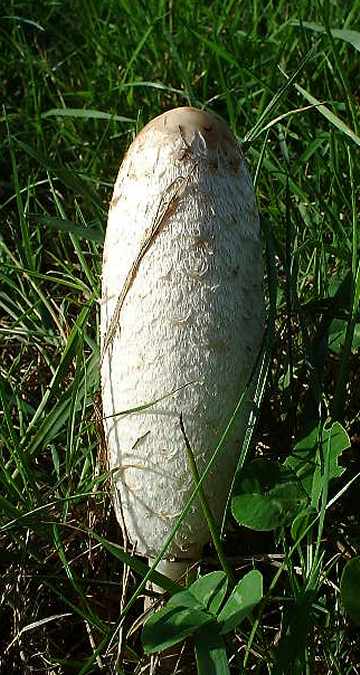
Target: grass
x: 81, y: 79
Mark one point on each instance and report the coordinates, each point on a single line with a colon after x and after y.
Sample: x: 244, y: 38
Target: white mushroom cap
x: 182, y: 320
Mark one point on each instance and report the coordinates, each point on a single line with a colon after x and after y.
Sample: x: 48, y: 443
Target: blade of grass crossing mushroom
x: 214, y: 530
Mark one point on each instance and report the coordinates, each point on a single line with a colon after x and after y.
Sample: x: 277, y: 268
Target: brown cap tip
x: 186, y: 121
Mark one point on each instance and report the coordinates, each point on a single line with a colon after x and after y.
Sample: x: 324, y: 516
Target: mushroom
x: 182, y: 319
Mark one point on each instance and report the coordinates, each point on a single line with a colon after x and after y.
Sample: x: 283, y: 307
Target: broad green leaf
x: 83, y: 113
x: 350, y: 589
x: 311, y: 455
x: 256, y: 511
x: 303, y: 459
x: 185, y: 612
x: 350, y: 36
x: 183, y: 600
x: 245, y: 596
x: 210, y: 590
x: 210, y: 652
x: 266, y: 495
x: 206, y: 593
x: 170, y: 626
x: 339, y: 441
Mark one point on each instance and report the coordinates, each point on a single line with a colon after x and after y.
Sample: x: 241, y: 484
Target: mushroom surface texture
x: 182, y: 320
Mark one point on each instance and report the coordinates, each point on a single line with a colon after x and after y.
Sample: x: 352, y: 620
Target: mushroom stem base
x: 174, y: 569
